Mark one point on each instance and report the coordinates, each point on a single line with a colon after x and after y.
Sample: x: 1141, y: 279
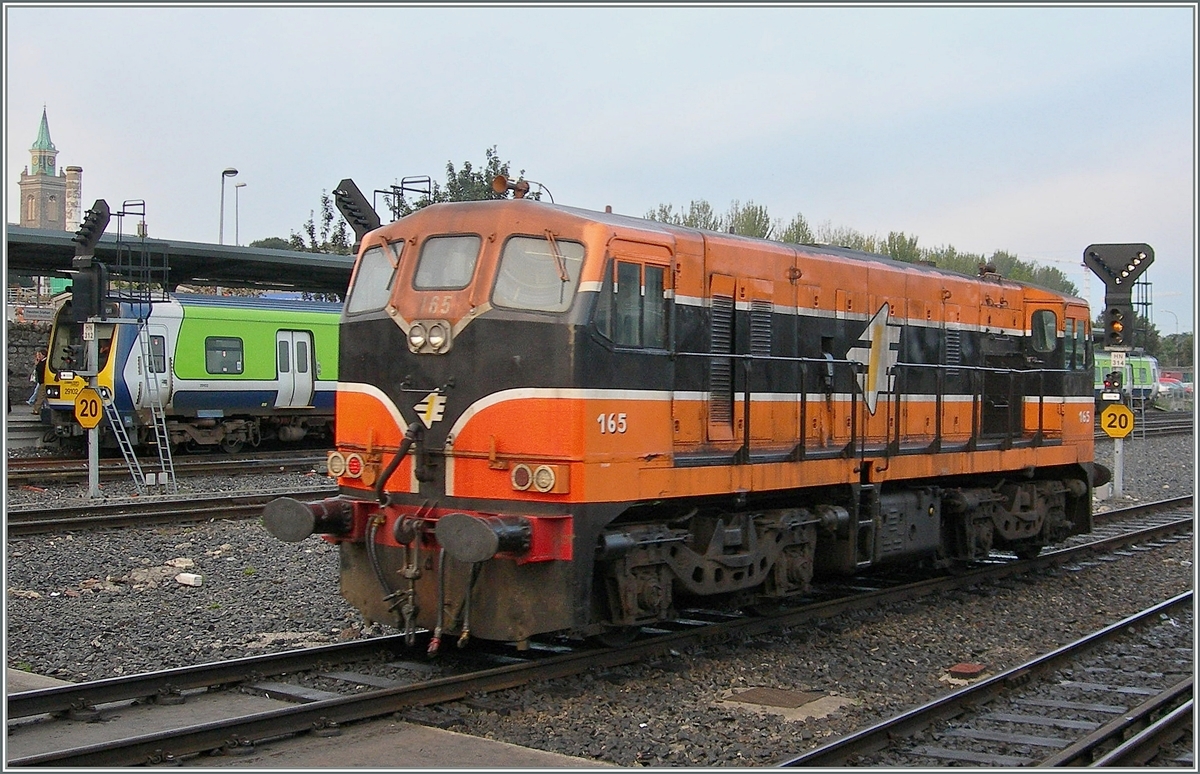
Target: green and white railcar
x: 229, y: 370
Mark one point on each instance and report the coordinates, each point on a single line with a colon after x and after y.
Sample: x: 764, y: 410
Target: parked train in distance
x: 1140, y: 378
x: 231, y: 370
x: 558, y: 421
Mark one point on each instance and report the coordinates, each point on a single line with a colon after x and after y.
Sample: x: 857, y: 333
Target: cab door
x: 293, y: 364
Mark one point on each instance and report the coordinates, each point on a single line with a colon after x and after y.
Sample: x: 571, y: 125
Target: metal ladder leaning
x: 118, y: 429
x: 158, y: 416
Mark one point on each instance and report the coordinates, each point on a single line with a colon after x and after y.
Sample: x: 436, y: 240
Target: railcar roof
x: 668, y: 229
x: 257, y: 302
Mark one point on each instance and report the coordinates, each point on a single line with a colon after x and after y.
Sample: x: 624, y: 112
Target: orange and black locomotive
x: 558, y: 420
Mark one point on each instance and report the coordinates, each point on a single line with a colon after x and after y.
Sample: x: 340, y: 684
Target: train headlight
x: 543, y: 478
x: 335, y: 463
x: 438, y: 336
x: 354, y: 466
x: 416, y: 337
x: 521, y: 477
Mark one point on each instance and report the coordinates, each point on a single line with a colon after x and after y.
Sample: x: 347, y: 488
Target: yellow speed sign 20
x: 1116, y: 420
x: 88, y: 409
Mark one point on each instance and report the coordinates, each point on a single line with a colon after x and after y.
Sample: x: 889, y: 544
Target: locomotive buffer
x: 1118, y: 265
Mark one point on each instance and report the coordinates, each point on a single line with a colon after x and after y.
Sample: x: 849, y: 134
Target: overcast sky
x: 1035, y: 130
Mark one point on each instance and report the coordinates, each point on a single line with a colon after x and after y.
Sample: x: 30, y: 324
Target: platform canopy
x: 42, y: 252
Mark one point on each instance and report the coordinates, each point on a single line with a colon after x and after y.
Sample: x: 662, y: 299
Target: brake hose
x: 410, y: 436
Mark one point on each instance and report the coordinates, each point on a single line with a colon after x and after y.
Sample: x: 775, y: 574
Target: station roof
x: 42, y: 252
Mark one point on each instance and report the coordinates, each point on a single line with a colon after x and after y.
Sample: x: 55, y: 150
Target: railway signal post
x: 1118, y: 265
x: 88, y: 283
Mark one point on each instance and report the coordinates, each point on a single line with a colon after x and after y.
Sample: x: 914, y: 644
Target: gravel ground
x: 104, y: 603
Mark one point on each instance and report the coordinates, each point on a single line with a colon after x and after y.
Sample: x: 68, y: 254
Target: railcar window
x: 628, y: 298
x: 373, y: 284
x: 538, y: 273
x: 1069, y: 354
x: 301, y: 357
x: 654, y: 312
x: 158, y: 354
x: 1083, y: 346
x: 447, y: 263
x: 223, y: 355
x: 633, y: 310
x: 285, y: 365
x: 1045, y: 330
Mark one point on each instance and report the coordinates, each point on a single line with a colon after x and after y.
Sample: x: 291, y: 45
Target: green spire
x: 43, y: 139
x: 43, y: 151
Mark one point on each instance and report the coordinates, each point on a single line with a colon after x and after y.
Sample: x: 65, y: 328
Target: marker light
x: 521, y: 477
x: 543, y: 478
x: 354, y: 466
x: 335, y: 463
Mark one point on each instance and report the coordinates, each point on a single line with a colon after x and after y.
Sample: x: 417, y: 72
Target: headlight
x: 416, y: 336
x: 437, y: 336
x: 543, y: 478
x: 335, y: 463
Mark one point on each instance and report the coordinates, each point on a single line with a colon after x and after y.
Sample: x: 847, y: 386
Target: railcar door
x: 153, y: 341
x: 293, y: 363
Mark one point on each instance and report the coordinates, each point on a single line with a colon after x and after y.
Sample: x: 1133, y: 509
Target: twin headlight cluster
x: 429, y: 336
x: 543, y: 478
x: 349, y: 465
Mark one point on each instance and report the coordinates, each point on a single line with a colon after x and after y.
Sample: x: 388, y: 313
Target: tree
x: 334, y: 238
x: 467, y: 184
x: 272, y: 243
x: 751, y: 220
x: 797, y: 232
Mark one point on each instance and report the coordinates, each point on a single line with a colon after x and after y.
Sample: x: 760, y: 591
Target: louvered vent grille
x: 720, y: 375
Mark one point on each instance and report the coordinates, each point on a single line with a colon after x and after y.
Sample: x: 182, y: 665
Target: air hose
x: 410, y: 437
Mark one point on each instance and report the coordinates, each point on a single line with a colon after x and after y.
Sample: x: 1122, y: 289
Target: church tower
x: 49, y: 200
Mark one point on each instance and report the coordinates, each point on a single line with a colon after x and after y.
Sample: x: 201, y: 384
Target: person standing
x: 38, y: 377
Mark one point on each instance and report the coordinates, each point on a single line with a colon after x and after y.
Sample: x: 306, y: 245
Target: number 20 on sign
x: 1116, y: 420
x: 87, y: 408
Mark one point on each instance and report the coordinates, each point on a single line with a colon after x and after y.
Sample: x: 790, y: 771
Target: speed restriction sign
x: 88, y: 409
x: 1116, y: 420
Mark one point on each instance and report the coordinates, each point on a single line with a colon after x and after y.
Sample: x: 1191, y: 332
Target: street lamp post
x: 1168, y: 311
x: 227, y: 172
x: 237, y: 187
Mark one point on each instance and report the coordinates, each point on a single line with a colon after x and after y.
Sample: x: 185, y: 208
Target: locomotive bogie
x: 699, y: 416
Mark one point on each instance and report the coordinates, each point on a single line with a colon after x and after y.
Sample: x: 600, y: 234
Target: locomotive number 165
x: 611, y: 423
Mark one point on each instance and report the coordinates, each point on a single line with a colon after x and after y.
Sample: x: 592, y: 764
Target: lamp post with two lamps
x: 227, y: 172
x: 236, y: 218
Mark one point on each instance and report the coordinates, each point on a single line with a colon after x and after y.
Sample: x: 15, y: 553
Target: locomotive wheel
x: 618, y: 636
x: 232, y: 445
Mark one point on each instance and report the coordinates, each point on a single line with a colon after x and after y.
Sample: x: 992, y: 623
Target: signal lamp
x: 521, y: 477
x: 354, y: 466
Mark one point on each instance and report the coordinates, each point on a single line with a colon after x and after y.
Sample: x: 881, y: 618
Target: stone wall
x: 24, y: 339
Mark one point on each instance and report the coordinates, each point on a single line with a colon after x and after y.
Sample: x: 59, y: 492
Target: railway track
x: 33, y: 471
x: 1153, y: 424
x: 1069, y: 707
x: 149, y: 511
x: 363, y: 695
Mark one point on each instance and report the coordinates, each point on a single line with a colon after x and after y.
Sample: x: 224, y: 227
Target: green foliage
x: 1176, y: 350
x: 468, y: 184
x: 797, y: 232
x: 333, y: 238
x: 272, y: 243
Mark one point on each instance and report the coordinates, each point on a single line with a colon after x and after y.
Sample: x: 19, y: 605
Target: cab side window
x: 1044, y: 333
x: 632, y: 307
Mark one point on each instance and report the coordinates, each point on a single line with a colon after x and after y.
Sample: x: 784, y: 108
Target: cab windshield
x: 68, y: 350
x: 376, y: 274
x: 538, y: 273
